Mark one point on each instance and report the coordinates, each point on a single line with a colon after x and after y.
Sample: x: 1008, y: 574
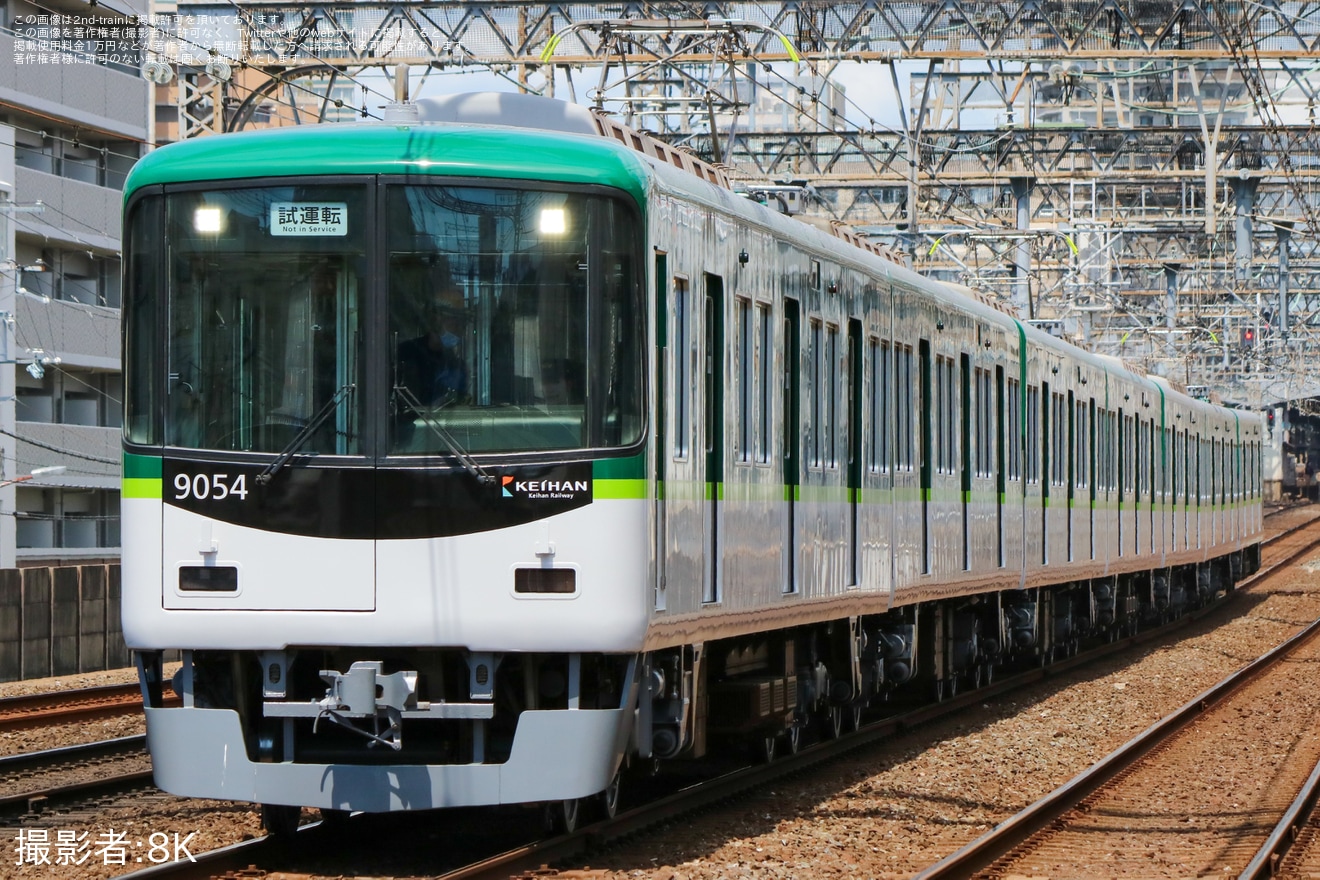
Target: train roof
x: 382, y: 148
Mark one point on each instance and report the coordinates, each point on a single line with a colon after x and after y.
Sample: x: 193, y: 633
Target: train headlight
x: 553, y: 221
x: 208, y: 219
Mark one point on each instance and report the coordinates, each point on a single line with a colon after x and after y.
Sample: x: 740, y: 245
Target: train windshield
x: 265, y: 318
x: 488, y: 319
x: 514, y: 320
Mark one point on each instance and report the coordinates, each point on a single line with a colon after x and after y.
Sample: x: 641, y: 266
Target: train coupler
x: 373, y: 705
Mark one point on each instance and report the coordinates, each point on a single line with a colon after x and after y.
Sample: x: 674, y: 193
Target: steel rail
x: 229, y: 861
x: 28, y: 761
x: 34, y: 710
x: 1271, y: 853
x: 37, y: 800
x: 983, y: 852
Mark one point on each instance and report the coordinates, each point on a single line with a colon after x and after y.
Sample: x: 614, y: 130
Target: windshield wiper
x: 305, y: 434
x: 455, y: 448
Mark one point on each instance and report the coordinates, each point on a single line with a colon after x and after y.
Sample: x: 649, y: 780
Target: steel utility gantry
x: 1139, y: 177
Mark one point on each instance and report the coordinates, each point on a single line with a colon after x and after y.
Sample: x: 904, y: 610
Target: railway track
x: 66, y: 707
x: 1173, y: 798
x: 235, y: 860
x: 34, y: 782
x: 530, y: 859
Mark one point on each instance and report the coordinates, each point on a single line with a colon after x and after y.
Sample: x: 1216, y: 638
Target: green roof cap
x: 423, y: 150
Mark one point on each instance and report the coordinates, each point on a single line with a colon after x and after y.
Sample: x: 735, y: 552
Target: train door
x: 660, y: 549
x: 965, y: 463
x: 1200, y: 472
x: 1001, y: 463
x: 1046, y: 474
x: 854, y: 417
x: 1122, y: 475
x: 1137, y: 458
x: 1191, y: 465
x: 1094, y: 474
x: 792, y: 414
x: 1173, y: 478
x: 926, y: 442
x: 1156, y: 479
x: 713, y: 396
x: 1071, y: 475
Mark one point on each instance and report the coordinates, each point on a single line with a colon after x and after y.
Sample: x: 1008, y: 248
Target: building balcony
x: 92, y: 454
x: 92, y: 95
x: 76, y: 212
x: 79, y: 335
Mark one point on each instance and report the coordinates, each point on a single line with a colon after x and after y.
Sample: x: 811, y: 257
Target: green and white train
x: 468, y: 462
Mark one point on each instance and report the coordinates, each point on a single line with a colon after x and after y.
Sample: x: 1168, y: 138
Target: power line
x: 62, y: 450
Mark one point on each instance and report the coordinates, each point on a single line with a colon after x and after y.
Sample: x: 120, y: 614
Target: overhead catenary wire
x: 63, y: 450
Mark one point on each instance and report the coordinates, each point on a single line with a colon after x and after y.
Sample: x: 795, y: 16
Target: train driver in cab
x: 431, y: 365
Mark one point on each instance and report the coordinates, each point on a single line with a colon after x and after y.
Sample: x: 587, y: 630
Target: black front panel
x: 422, y: 502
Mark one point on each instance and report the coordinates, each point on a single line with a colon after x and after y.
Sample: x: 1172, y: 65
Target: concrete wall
x: 60, y: 620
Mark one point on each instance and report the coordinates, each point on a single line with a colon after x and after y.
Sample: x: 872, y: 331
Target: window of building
x: 66, y: 519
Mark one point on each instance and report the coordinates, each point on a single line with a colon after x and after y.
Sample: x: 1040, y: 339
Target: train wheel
x: 609, y: 798
x: 561, y: 817
x: 280, y: 820
x: 831, y: 723
x: 855, y: 716
x: 763, y: 749
x: 793, y: 737
x: 335, y: 819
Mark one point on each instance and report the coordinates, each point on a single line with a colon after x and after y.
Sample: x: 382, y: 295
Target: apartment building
x: 74, y: 118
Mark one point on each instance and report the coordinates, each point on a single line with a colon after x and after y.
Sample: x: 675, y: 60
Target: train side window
x: 1058, y: 440
x: 1138, y: 458
x: 1134, y: 468
x: 682, y: 388
x: 904, y: 389
x: 1013, y: 433
x: 831, y: 396
x: 987, y: 423
x: 875, y: 453
x: 978, y: 423
x: 142, y: 297
x: 1079, y: 446
x: 941, y: 429
x: 946, y: 407
x: 814, y: 431
x: 951, y: 416
x: 746, y: 400
x: 764, y: 364
x: 1033, y: 435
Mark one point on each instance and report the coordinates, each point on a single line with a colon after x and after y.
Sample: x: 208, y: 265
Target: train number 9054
x: 213, y: 487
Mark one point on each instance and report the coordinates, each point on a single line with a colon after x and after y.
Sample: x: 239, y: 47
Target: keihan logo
x: 543, y: 490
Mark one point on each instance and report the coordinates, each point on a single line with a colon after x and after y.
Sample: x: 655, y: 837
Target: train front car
x: 384, y: 464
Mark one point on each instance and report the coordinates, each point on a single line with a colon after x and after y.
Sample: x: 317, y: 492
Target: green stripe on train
x: 142, y: 476
x: 618, y: 489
